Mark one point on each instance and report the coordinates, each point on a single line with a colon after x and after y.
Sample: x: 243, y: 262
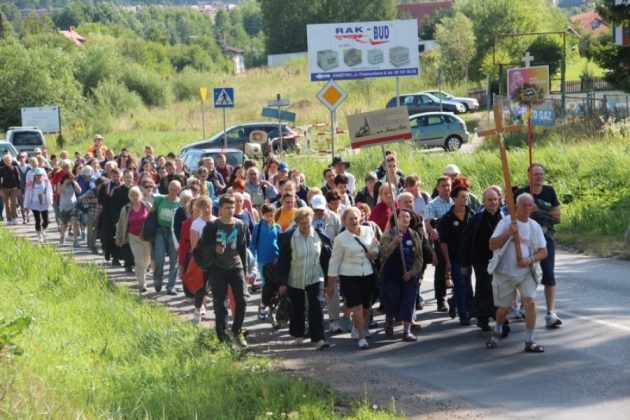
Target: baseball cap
x: 318, y: 202
x: 452, y: 169
x: 283, y: 167
x: 38, y: 172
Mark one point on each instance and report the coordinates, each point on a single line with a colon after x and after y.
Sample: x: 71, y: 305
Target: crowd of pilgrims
x: 330, y: 254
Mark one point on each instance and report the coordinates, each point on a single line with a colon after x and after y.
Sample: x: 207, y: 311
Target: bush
x: 151, y: 87
x: 115, y: 97
x: 187, y: 83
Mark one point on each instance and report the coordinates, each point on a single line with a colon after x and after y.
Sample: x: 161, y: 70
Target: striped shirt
x: 305, y: 266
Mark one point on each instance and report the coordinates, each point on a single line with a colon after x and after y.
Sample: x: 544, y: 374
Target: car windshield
x: 4, y: 147
x: 27, y: 138
x: 432, y: 97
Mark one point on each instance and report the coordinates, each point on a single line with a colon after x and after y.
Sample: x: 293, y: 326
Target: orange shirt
x: 92, y: 148
x: 284, y: 218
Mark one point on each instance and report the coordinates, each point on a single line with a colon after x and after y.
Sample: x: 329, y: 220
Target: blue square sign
x: 224, y: 97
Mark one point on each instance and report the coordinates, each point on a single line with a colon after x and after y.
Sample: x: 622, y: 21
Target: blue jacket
x: 264, y: 242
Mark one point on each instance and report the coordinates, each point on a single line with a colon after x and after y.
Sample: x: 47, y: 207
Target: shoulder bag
x: 534, y: 268
x: 376, y: 275
x: 497, y: 255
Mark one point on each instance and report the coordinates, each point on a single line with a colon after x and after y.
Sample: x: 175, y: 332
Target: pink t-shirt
x: 136, y: 219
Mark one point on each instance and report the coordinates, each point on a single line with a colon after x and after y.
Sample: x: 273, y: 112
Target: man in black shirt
x: 547, y: 214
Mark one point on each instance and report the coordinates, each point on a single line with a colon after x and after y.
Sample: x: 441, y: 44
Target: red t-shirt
x: 136, y: 219
x: 55, y: 181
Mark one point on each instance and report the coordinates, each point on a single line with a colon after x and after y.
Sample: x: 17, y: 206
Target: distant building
x: 590, y: 22
x: 237, y: 59
x: 422, y: 11
x: 73, y: 36
x: 621, y: 35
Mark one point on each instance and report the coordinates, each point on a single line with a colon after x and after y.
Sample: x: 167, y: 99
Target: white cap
x: 452, y: 169
x: 318, y: 202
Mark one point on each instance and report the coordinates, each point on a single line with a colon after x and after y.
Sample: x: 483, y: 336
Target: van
x: 26, y: 139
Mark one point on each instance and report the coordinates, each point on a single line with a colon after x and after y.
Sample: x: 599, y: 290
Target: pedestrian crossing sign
x: 224, y: 97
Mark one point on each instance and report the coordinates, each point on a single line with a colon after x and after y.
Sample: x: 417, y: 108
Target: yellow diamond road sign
x: 332, y: 95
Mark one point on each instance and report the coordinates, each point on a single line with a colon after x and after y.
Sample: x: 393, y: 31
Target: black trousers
x: 220, y: 279
x: 439, y: 282
x: 41, y: 219
x: 315, y: 295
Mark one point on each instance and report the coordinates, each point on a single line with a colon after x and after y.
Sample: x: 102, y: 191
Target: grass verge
x: 94, y: 350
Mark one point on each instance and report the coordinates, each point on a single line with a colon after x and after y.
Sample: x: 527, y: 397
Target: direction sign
x: 379, y: 127
x: 278, y: 102
x: 278, y: 115
x: 332, y: 95
x: 224, y: 97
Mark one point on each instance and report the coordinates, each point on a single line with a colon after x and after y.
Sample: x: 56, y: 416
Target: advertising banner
x: 388, y: 125
x: 537, y: 75
x: 361, y: 50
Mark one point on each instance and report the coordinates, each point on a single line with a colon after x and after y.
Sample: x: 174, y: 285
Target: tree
x: 546, y: 51
x: 492, y: 17
x: 614, y: 58
x: 285, y: 22
x: 457, y: 42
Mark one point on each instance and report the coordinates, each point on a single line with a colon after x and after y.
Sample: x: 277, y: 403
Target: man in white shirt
x: 513, y: 274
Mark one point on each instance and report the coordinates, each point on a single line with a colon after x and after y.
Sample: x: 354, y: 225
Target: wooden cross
x: 499, y: 131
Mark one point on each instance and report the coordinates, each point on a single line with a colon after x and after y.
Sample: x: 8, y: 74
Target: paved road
x: 584, y: 373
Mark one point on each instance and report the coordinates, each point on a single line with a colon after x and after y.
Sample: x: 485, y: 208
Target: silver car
x: 471, y: 104
x: 438, y: 129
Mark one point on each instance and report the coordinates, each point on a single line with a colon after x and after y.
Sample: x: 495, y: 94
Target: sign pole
x: 224, y: 132
x: 397, y: 91
x: 333, y: 123
x: 280, y: 126
x: 203, y: 119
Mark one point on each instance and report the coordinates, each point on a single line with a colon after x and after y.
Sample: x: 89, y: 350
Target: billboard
x: 46, y: 118
x: 388, y: 125
x: 537, y: 75
x: 362, y: 50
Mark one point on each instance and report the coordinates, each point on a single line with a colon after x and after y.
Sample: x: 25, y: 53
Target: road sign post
x: 279, y: 103
x: 332, y: 95
x: 224, y: 98
x: 203, y: 93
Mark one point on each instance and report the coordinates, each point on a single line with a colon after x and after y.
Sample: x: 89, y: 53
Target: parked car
x: 425, y: 102
x: 26, y: 139
x: 471, y: 104
x: 5, y: 147
x: 238, y: 135
x: 191, y: 157
x: 438, y: 129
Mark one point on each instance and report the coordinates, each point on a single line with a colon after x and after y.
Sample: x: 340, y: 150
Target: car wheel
x: 466, y: 107
x: 452, y: 143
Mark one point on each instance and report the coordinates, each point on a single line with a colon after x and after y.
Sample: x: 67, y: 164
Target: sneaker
x: 465, y: 322
x: 43, y: 236
x: 203, y: 310
x: 83, y: 236
x: 298, y: 341
x: 515, y: 314
x: 115, y: 263
x: 40, y: 239
x: 354, y: 334
x: 239, y: 340
x: 171, y: 292
x: 441, y: 307
x: 75, y: 244
x: 94, y: 250
x: 552, y: 320
x: 372, y: 324
x: 363, y: 344
x: 262, y: 312
x: 196, y: 317
x: 367, y: 333
x: 335, y: 327
x: 321, y: 345
x: 452, y: 310
x: 408, y: 336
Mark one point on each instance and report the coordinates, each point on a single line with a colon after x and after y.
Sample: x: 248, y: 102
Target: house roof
x: 73, y: 36
x: 421, y: 10
x: 585, y: 22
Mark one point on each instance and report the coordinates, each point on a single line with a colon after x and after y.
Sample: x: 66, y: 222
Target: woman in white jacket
x: 38, y: 198
x: 351, y: 265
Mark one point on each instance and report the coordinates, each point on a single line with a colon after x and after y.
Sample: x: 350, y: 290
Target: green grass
x: 94, y: 350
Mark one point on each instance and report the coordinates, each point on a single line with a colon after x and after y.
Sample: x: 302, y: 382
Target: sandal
x: 532, y: 347
x: 493, y: 342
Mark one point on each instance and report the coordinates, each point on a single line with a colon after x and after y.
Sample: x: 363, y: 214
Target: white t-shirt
x: 197, y: 225
x: 530, y: 231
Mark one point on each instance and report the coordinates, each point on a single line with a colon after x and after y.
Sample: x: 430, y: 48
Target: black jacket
x: 205, y: 251
x: 284, y: 259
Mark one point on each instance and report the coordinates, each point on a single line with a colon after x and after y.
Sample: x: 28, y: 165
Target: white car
x: 471, y: 104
